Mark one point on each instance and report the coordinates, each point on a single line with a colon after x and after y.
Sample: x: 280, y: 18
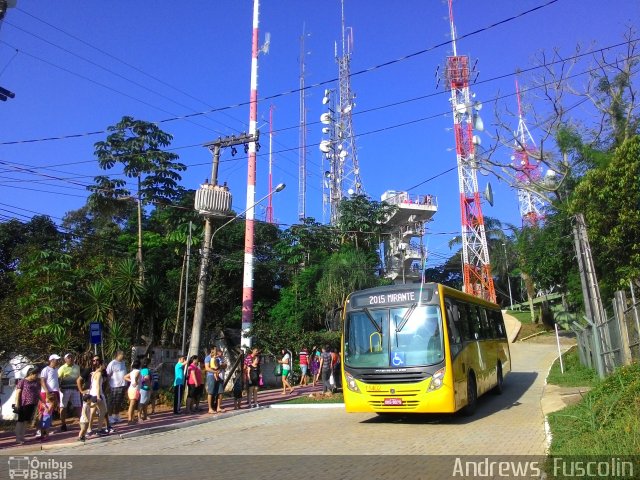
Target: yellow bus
x: 421, y: 348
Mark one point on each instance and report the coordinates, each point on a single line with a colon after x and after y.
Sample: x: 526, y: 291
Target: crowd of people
x: 96, y: 395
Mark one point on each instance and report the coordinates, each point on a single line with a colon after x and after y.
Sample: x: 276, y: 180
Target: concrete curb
x: 307, y: 405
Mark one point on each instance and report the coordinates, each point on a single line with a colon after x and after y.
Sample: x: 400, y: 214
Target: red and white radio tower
x: 476, y: 268
x: 528, y: 171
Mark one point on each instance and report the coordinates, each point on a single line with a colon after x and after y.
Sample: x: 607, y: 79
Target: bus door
x: 456, y: 362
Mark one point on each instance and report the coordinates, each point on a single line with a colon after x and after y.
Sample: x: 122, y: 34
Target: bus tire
x: 499, y: 388
x: 472, y: 396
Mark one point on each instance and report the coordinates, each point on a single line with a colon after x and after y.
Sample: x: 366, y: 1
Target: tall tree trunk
x: 139, y: 253
x: 531, y: 292
x: 179, y: 309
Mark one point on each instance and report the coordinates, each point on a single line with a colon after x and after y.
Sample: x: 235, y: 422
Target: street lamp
x: 247, y: 282
x: 506, y: 263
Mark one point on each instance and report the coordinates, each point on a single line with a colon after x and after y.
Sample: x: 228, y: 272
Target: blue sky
x: 194, y: 56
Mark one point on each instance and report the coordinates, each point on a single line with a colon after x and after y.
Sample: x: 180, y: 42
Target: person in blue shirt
x: 178, y: 383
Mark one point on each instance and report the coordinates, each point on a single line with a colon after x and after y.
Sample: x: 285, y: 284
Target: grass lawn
x: 575, y: 374
x: 335, y: 398
x: 604, y: 422
x: 523, y: 317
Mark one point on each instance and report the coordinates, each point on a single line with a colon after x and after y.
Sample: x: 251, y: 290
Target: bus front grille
x: 409, y: 377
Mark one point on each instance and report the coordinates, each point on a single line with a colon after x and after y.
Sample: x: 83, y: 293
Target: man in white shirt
x: 116, y: 370
x: 49, y: 385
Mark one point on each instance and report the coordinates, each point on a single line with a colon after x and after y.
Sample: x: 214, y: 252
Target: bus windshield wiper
x: 405, y: 317
x: 372, y: 320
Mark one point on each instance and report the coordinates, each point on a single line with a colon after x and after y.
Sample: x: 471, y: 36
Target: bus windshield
x: 395, y: 337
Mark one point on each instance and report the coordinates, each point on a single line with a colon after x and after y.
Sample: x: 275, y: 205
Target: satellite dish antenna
x: 347, y: 109
x: 478, y: 106
x: 325, y: 118
x: 325, y: 130
x: 343, y: 153
x: 351, y: 191
x: 325, y: 100
x: 325, y: 146
x: 478, y: 124
x: 476, y: 140
x: 461, y: 108
x: 488, y: 194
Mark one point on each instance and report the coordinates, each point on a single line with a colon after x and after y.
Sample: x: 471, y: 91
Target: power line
x: 288, y: 92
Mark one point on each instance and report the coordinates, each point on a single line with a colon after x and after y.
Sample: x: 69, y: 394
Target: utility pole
x: 211, y: 201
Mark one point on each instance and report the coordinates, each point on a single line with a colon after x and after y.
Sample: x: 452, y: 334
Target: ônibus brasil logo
x: 34, y: 468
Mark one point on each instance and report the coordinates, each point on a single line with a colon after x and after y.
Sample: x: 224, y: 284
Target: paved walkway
x: 160, y: 421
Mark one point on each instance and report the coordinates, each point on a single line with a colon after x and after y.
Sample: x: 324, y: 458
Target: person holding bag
x: 26, y: 401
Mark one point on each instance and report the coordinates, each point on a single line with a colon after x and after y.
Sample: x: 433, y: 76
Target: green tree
x: 136, y: 146
x: 362, y: 221
x: 609, y: 198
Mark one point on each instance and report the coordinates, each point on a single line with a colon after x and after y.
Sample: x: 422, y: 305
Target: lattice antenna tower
x: 532, y: 206
x: 348, y: 168
x: 302, y: 152
x: 476, y: 267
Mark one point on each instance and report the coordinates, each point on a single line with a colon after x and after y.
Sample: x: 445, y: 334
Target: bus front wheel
x: 472, y: 396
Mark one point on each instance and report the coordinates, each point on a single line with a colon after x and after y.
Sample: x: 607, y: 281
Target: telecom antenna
x: 532, y: 206
x: 342, y: 179
x: 270, y: 201
x: 476, y: 268
x: 302, y: 152
x: 349, y: 170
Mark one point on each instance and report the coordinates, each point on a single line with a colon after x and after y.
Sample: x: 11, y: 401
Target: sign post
x: 95, y: 332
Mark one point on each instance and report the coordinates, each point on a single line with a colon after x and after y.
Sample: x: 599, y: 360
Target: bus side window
x: 498, y: 323
x: 455, y: 340
x: 463, y: 319
x: 476, y: 325
x: 487, y: 331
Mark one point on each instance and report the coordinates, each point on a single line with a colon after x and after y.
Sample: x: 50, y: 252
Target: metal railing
x: 614, y: 342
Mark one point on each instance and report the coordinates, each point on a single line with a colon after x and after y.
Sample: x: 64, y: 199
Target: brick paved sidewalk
x: 161, y: 420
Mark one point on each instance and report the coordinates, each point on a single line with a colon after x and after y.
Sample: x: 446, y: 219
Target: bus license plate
x: 395, y: 402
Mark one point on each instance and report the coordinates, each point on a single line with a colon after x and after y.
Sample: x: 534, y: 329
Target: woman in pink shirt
x: 194, y: 383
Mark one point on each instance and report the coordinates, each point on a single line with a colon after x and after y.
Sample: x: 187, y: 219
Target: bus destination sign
x: 390, y: 298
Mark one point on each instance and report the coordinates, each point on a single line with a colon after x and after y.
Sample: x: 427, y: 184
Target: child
x: 46, y: 413
x: 84, y: 416
x: 237, y: 392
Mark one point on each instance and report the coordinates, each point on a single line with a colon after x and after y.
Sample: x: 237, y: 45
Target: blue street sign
x: 95, y: 332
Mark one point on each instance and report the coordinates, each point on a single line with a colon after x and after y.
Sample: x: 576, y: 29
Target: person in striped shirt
x: 304, y: 366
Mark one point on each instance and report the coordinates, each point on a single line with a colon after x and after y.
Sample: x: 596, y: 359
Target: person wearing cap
x: 68, y: 375
x: 49, y: 385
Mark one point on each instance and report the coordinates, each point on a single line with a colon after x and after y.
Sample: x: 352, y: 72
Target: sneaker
x: 82, y: 439
x: 257, y: 405
x: 111, y: 430
x: 103, y: 432
x: 90, y: 433
x: 63, y: 428
x: 38, y: 433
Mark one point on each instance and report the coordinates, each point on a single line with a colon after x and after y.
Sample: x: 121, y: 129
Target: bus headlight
x: 436, y: 380
x: 351, y: 383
